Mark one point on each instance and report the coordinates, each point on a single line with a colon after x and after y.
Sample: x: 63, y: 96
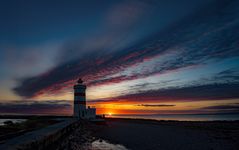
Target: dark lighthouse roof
x: 79, y: 84
x: 80, y: 81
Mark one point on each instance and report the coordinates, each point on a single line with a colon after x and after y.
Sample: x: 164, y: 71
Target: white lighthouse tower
x: 80, y: 110
x: 79, y: 99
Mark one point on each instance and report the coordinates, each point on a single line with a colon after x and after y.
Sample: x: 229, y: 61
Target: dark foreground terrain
x: 172, y: 135
x: 139, y: 134
x: 11, y: 130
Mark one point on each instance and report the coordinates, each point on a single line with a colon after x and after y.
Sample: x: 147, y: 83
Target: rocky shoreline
x: 80, y: 137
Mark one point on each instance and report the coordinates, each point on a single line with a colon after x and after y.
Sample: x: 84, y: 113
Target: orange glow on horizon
x: 176, y: 108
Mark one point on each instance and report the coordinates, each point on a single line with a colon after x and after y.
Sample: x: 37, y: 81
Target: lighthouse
x: 79, y: 99
x: 80, y: 109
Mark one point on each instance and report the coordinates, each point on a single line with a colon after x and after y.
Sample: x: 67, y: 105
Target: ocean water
x: 182, y: 117
x: 13, y: 120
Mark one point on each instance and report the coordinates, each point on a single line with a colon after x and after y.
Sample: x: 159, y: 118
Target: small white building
x: 80, y: 109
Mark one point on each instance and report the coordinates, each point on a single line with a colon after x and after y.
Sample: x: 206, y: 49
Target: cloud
x: 228, y: 75
x: 234, y: 107
x: 158, y: 105
x: 103, y: 101
x: 19, y: 62
x: 224, y: 108
x: 37, y: 107
x: 196, y: 40
x: 192, y: 93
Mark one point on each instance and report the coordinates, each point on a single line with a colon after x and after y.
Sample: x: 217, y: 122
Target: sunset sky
x: 135, y: 56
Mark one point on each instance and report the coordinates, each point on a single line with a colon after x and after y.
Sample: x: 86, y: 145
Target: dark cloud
x: 210, y: 34
x: 152, y: 105
x: 99, y: 101
x: 225, y: 76
x: 228, y: 75
x: 234, y: 107
x: 37, y: 107
x: 202, y: 92
x: 223, y: 108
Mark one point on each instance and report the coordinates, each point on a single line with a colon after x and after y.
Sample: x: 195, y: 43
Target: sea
x: 176, y: 117
x: 13, y: 120
x: 183, y: 117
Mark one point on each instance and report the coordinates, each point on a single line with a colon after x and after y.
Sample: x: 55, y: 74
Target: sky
x: 135, y: 56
